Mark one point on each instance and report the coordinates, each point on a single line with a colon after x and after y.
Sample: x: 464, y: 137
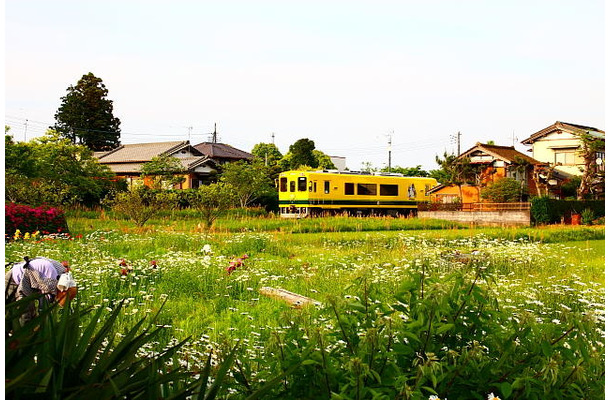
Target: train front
x: 293, y: 194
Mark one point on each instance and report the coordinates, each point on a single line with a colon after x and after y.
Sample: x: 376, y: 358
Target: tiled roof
x: 505, y: 153
x: 222, y: 151
x: 563, y: 126
x: 141, y: 152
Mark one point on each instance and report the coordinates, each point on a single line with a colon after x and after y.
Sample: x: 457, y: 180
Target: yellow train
x: 305, y: 193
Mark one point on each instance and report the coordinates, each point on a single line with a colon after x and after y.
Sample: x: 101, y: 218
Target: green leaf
x: 506, y: 389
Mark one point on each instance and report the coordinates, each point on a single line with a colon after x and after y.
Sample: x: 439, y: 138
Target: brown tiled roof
x: 505, y: 153
x: 563, y: 126
x: 222, y: 151
x: 141, y: 152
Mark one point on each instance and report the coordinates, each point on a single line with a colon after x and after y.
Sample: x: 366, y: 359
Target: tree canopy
x: 164, y: 169
x: 302, y: 154
x: 267, y: 153
x: 85, y: 115
x: 247, y: 180
x: 52, y: 170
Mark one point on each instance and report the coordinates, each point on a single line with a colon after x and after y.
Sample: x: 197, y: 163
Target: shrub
x: 139, y: 204
x: 547, y: 211
x: 541, y: 210
x: 503, y: 190
x: 32, y: 219
x: 62, y: 353
x: 587, y: 216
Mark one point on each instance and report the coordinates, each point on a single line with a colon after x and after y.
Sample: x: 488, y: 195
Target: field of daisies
x: 402, y: 309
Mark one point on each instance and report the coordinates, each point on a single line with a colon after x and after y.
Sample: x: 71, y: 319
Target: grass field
x: 538, y: 284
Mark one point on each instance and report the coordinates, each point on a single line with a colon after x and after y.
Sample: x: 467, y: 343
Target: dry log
x: 295, y: 300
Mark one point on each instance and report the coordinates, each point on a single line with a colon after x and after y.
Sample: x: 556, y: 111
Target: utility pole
x: 190, y: 128
x: 272, y: 137
x: 390, y: 152
x: 25, y: 131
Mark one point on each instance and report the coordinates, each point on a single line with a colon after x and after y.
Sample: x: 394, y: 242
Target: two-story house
x: 559, y: 148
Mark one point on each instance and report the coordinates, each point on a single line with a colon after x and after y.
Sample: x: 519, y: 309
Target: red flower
x: 153, y: 263
x: 123, y: 272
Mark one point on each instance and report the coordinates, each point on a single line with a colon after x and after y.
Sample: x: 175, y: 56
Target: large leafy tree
x: 248, y: 181
x: 302, y: 154
x: 52, y: 170
x: 85, y: 115
x: 267, y: 153
x: 323, y: 160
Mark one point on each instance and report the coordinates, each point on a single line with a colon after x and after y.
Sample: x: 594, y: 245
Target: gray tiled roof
x: 140, y: 152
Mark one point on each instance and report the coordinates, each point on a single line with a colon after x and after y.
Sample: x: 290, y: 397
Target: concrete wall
x: 487, y: 218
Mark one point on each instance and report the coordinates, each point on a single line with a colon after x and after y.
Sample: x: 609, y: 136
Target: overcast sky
x: 346, y: 74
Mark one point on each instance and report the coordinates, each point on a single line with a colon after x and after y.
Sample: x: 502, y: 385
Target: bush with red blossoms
x: 45, y: 219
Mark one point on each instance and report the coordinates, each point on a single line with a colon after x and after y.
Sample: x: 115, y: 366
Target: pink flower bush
x: 31, y: 219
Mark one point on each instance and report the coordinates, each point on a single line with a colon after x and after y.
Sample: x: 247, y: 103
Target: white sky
x: 343, y: 73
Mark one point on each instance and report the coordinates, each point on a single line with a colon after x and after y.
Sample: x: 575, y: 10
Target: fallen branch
x: 295, y: 300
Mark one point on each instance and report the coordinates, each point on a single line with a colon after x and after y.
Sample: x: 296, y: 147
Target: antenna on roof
x: 214, y: 134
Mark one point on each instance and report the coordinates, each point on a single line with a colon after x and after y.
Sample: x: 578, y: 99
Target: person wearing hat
x: 36, y: 275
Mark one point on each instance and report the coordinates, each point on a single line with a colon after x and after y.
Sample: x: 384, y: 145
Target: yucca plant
x: 61, y: 354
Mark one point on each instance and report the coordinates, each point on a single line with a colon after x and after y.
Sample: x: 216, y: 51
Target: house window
x: 349, y: 189
x: 283, y: 184
x: 388, y: 190
x: 302, y: 184
x: 367, y: 189
x: 600, y: 160
x: 565, y: 157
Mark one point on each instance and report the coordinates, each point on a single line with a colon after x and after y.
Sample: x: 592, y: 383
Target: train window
x: 349, y: 189
x: 315, y: 186
x: 327, y: 187
x: 283, y: 184
x: 367, y: 189
x: 310, y: 186
x: 388, y: 190
x: 292, y: 186
x: 302, y: 184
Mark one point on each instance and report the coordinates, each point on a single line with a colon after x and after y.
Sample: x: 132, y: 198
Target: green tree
x: 408, y: 171
x: 302, y: 154
x: 212, y: 200
x: 454, y: 171
x: 323, y: 160
x: 85, y: 115
x: 52, y: 170
x: 267, y: 153
x: 139, y: 204
x: 247, y: 180
x: 504, y: 190
x: 164, y: 169
x: 593, y: 178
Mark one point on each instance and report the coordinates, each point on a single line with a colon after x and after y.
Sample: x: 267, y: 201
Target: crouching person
x: 36, y: 275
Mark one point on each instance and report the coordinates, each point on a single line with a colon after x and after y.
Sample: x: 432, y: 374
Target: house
x: 126, y: 161
x: 559, y: 147
x: 488, y: 163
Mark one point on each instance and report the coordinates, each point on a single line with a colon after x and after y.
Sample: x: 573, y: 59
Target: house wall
x: 545, y: 148
x: 470, y: 194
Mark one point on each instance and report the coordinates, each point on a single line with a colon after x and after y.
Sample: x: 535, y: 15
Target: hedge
x: 545, y: 210
x: 31, y: 219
